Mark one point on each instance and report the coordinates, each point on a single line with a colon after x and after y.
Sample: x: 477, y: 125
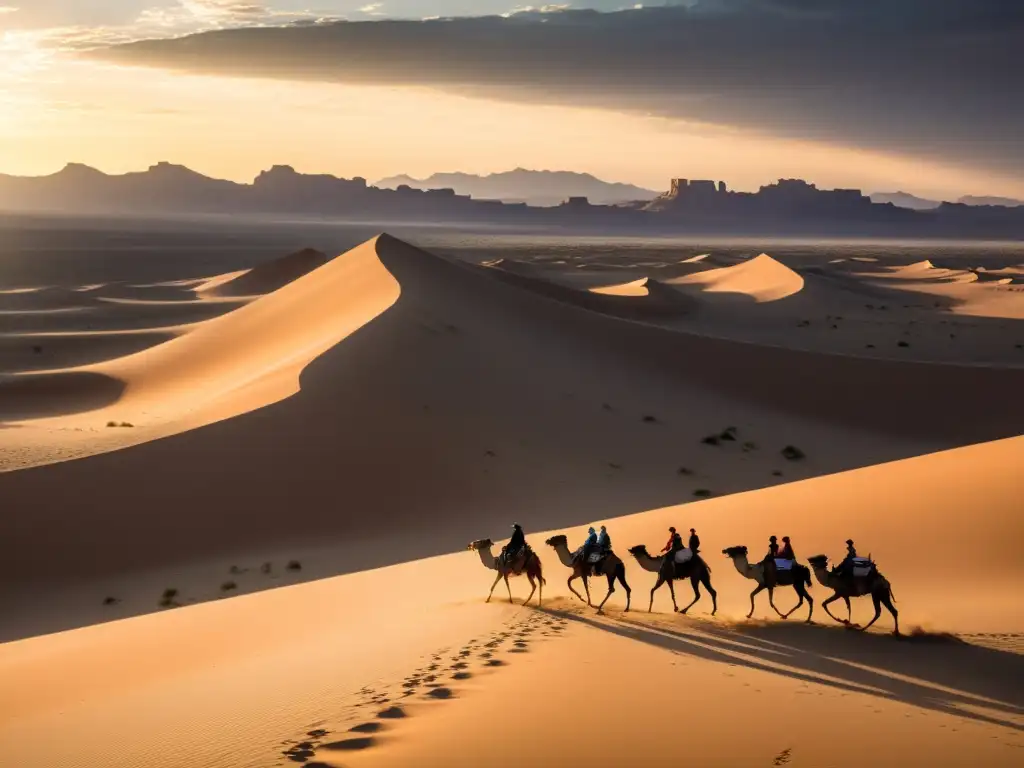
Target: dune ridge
x: 617, y: 414
x: 264, y: 278
x: 762, y: 278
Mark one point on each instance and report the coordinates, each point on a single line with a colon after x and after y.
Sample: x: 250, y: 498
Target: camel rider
x: 786, y: 552
x: 694, y: 541
x: 516, y: 544
x: 675, y: 542
x: 589, y: 545
x: 846, y: 567
x: 771, y: 568
x: 604, y: 541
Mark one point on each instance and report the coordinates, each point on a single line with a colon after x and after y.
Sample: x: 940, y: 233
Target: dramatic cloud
x: 935, y: 78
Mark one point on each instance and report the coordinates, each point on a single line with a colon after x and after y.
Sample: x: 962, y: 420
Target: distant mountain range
x: 906, y: 200
x: 541, y: 188
x: 787, y: 207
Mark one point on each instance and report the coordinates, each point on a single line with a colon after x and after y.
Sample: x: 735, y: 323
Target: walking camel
x: 528, y: 564
x: 874, y: 584
x: 611, y: 566
x: 798, y: 577
x: 696, y: 570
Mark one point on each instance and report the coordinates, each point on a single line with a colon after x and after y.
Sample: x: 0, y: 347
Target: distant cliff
x: 540, y: 188
x: 905, y: 200
x: 790, y: 207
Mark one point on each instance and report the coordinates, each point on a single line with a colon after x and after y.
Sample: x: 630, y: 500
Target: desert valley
x: 237, y: 506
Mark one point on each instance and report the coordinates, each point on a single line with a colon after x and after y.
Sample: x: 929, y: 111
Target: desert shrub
x: 793, y: 453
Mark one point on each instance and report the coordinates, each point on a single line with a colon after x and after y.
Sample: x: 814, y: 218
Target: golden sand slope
x: 453, y: 398
x: 762, y: 279
x: 238, y: 683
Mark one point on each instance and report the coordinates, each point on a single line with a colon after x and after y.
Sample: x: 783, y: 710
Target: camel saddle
x: 516, y: 561
x: 594, y: 559
x: 862, y: 567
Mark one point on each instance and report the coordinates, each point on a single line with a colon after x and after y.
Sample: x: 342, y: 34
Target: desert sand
x: 340, y: 430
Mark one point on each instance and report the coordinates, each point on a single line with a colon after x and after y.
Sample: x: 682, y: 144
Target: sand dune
x: 639, y: 299
x: 620, y: 407
x: 632, y: 288
x: 445, y: 688
x: 266, y: 277
x: 53, y: 351
x: 388, y: 406
x: 762, y: 278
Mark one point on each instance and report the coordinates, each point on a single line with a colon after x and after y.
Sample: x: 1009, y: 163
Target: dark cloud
x: 935, y: 78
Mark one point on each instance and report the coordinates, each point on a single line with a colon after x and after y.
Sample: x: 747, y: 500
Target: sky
x: 916, y: 95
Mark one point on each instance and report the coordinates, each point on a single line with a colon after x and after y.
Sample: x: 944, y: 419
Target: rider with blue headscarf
x: 590, y: 544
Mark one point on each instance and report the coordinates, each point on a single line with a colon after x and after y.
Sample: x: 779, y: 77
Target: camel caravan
x: 854, y: 576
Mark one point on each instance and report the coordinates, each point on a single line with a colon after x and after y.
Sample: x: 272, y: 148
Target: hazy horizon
x: 487, y: 95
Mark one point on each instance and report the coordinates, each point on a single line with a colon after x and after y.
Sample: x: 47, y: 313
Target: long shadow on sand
x: 938, y: 674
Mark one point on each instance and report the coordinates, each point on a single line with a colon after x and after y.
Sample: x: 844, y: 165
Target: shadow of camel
x: 938, y: 674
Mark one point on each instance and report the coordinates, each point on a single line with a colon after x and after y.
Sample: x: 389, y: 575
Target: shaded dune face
x: 33, y: 396
x: 266, y: 277
x: 55, y: 350
x: 641, y: 299
x: 440, y: 399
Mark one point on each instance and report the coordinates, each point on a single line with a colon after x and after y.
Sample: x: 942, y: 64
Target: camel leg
x: 496, y: 580
x: 878, y: 612
x: 824, y: 604
x: 849, y: 610
x: 571, y: 589
x: 756, y: 590
x: 508, y: 588
x: 706, y: 581
x: 800, y: 595
x: 810, y: 602
x: 533, y: 588
x: 771, y: 600
x: 621, y: 575
x: 611, y: 588
x: 653, y: 590
x: 586, y: 588
x: 672, y: 591
x: 695, y: 583
x: 887, y: 602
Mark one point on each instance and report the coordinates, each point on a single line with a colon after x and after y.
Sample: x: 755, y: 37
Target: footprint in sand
x: 494, y: 663
x: 392, y: 713
x: 366, y: 728
x: 441, y: 693
x: 351, y: 745
x: 462, y: 676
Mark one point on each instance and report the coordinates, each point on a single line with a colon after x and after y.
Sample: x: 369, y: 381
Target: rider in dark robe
x: 516, y: 544
x: 770, y: 568
x: 846, y: 567
x: 604, y: 541
x: 786, y: 551
x: 694, y: 541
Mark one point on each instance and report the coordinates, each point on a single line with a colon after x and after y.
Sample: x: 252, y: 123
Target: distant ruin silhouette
x: 787, y: 207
